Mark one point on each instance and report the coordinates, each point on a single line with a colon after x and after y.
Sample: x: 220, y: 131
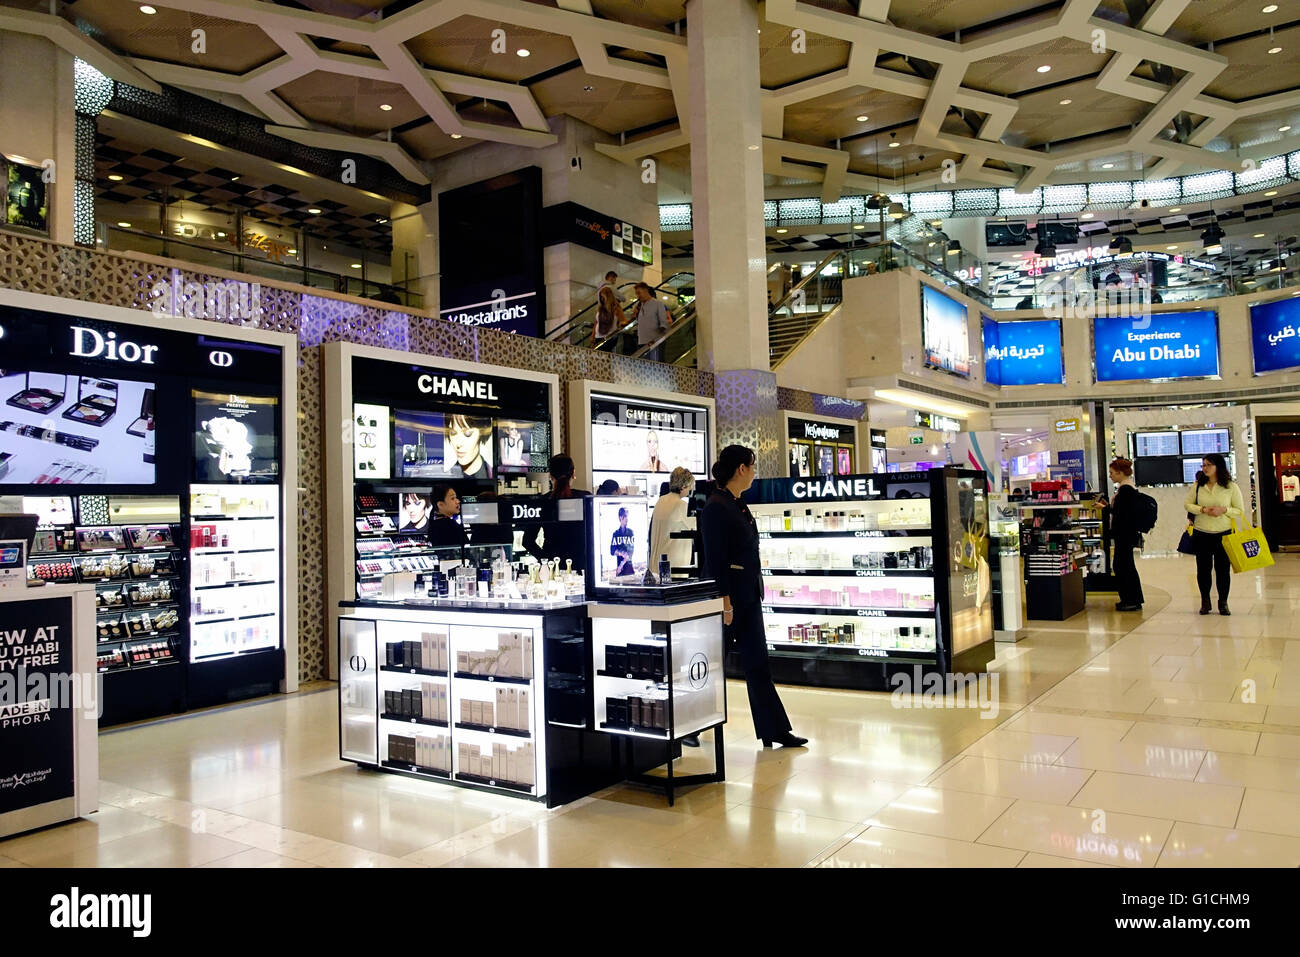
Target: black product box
x: 616, y: 712
x: 616, y: 659
x: 412, y: 654
x: 390, y: 699
x: 634, y: 712
x: 641, y: 661
x: 393, y: 654
x: 658, y: 714
x: 410, y: 703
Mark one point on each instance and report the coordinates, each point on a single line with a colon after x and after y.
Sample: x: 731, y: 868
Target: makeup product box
x: 462, y: 661
x: 503, y: 709
x: 634, y: 709
x: 466, y: 716
x: 616, y: 659
x: 616, y: 712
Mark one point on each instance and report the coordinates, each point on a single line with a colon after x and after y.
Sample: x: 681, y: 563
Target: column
x: 414, y: 260
x: 727, y: 211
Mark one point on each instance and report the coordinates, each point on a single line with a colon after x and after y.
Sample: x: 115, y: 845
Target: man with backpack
x: 1132, y: 514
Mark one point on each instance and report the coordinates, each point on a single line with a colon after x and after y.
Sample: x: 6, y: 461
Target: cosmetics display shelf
x: 859, y: 533
x: 850, y: 651
x: 494, y: 679
x: 404, y: 719
x: 197, y: 620
x: 850, y: 572
x: 492, y: 729
x: 636, y: 732
x: 231, y: 551
x: 232, y: 518
x: 416, y: 769
x: 493, y: 782
x: 426, y: 672
x: 838, y: 611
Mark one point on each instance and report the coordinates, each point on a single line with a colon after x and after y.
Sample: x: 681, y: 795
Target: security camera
x: 575, y: 162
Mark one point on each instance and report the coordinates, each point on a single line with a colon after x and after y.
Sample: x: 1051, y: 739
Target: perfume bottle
x: 665, y: 570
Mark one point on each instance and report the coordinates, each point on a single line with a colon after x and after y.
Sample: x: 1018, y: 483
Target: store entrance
x: 1279, y: 484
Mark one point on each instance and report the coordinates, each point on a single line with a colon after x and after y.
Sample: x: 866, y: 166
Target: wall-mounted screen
x: 1275, y: 335
x: 1150, y: 444
x: 236, y: 438
x: 1166, y: 470
x: 61, y: 429
x: 442, y: 445
x: 49, y: 510
x: 944, y: 333
x: 1023, y: 353
x: 1192, y: 465
x: 1163, y: 345
x: 1032, y: 463
x: 638, y: 442
x: 518, y: 443
x: 1205, y: 441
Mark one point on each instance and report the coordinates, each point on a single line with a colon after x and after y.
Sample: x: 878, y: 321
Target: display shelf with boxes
x: 866, y: 574
x: 488, y: 694
x: 659, y: 676
x: 1061, y: 541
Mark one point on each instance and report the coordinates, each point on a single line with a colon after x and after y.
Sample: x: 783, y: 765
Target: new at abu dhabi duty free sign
x: 1163, y: 345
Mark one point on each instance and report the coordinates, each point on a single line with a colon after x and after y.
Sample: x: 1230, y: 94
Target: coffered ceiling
x: 1018, y: 93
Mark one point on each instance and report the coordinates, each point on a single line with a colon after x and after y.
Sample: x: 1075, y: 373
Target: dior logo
x: 222, y: 360
x: 697, y: 672
x: 358, y: 663
x: 90, y: 344
x: 526, y: 511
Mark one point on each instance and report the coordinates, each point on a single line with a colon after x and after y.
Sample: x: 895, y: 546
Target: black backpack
x: 1147, y: 512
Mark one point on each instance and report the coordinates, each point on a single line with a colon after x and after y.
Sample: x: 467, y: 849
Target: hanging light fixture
x: 1212, y: 238
x: 1121, y: 246
x: 954, y: 247
x: 1044, y: 247
x: 896, y: 211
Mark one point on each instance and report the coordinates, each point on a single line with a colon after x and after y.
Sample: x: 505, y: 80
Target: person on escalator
x: 652, y: 321
x: 609, y: 314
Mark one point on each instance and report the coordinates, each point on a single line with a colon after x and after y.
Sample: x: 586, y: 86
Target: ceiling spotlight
x: 148, y: 11
x: 782, y: 231
x: 862, y: 119
x: 1284, y: 129
x: 234, y: 179
x: 385, y: 107
x: 124, y: 225
x: 588, y: 89
x: 293, y: 252
x: 315, y: 211
x: 1175, y: 209
x: 954, y: 247
x: 896, y: 211
x: 522, y: 52
x: 1271, y: 192
x: 455, y: 136
x: 1107, y: 165
x: 1045, y: 68
x: 356, y: 265
x: 221, y: 235
x: 115, y: 177
x: 1121, y: 246
x: 1066, y: 102
x: 1271, y: 8
x: 1086, y: 215
x: 1258, y: 236
x: 1275, y: 50
x: 859, y: 226
x: 894, y: 144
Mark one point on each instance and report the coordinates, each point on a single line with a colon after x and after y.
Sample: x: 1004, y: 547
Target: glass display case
x: 866, y: 574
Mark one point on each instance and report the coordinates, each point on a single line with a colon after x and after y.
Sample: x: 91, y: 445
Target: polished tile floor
x: 1164, y: 739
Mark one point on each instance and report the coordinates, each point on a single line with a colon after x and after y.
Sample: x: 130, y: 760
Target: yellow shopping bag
x: 1247, y: 549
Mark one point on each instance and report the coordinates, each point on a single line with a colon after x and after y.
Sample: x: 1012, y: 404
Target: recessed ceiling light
x: 753, y: 146
x: 1258, y: 236
x: 1275, y: 50
x: 588, y: 89
x: 1271, y: 192
x: 293, y: 252
x: 1107, y: 165
x: 860, y: 226
x: 522, y: 52
x: 1045, y: 68
x: 783, y: 230
x: 124, y: 225
x: 147, y: 10
x: 356, y: 265
x: 455, y: 136
x: 1066, y: 102
x: 221, y: 235
x: 1284, y: 129
x: 234, y: 179
x: 1271, y: 8
x: 1086, y: 216
x: 315, y: 211
x: 1175, y: 246
x: 115, y: 177
x: 895, y: 144
x: 1175, y: 209
x: 385, y: 107
x: 862, y: 119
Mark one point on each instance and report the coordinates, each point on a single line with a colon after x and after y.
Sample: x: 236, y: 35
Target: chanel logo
x: 222, y: 360
x: 697, y: 672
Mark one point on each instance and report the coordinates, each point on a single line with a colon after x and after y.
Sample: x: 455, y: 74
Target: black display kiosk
x: 156, y: 472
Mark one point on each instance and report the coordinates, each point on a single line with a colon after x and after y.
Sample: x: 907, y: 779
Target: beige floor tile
x: 1068, y: 725
x: 1120, y: 840
x: 1188, y: 736
x: 108, y: 824
x: 959, y: 815
x: 1281, y: 714
x: 1135, y: 757
x: 830, y: 796
x: 1013, y: 779
x: 343, y: 855
x: 763, y: 837
x: 539, y: 845
x: 1047, y: 860
x: 1196, y: 845
x: 10, y: 862
x: 1161, y: 798
x: 1270, y: 812
x: 280, y: 840
x: 884, y: 847
x: 1274, y: 745
x: 1216, y: 710
x: 1249, y: 770
x: 256, y: 857
x: 164, y: 846
x: 632, y: 856
x: 1022, y: 746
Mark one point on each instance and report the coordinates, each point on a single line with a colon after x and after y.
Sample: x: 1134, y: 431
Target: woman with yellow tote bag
x: 1214, y: 502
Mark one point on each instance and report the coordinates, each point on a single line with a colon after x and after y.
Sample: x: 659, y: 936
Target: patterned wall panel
x: 748, y: 414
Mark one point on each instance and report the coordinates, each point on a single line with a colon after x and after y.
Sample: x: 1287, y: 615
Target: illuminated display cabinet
x: 865, y: 576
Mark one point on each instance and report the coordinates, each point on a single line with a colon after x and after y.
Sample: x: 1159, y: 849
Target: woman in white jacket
x: 670, y: 516
x: 1214, y: 501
